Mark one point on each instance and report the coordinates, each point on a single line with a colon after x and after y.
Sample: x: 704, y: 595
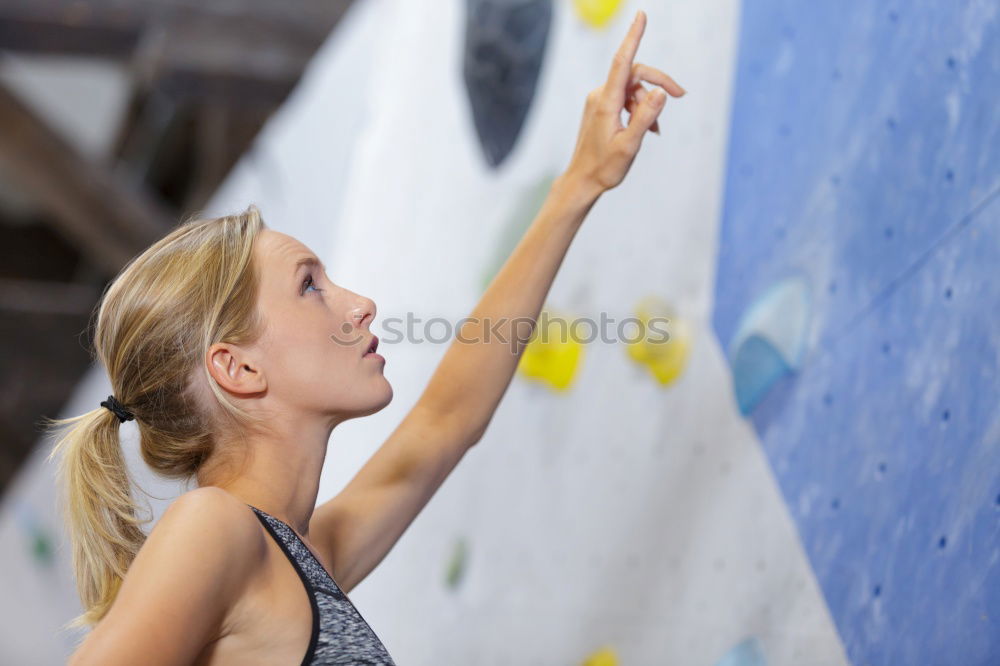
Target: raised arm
x: 472, y: 377
x: 360, y: 525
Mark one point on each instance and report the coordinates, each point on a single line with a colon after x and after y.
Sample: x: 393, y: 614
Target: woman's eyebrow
x: 307, y: 261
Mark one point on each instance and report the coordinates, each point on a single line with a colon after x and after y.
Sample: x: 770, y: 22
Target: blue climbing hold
x: 746, y: 653
x: 770, y: 341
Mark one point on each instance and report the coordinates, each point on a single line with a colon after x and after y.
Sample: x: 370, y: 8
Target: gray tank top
x: 339, y: 634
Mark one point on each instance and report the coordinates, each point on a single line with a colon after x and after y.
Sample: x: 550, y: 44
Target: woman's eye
x: 309, y: 284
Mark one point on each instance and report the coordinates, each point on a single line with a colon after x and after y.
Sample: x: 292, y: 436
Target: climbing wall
x: 857, y: 294
x: 804, y: 472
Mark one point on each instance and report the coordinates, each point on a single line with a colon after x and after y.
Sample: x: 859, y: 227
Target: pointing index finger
x: 621, y: 66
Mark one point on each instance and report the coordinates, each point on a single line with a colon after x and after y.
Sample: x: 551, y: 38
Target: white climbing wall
x: 622, y: 513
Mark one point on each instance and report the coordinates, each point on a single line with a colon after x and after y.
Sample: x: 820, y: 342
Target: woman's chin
x: 379, y: 403
x: 387, y: 397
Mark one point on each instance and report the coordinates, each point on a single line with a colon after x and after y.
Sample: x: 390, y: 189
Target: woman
x: 237, y: 357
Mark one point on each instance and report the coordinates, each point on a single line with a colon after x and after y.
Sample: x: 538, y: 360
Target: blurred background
x: 807, y: 473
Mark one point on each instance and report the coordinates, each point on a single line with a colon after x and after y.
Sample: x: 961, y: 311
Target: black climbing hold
x: 504, y: 49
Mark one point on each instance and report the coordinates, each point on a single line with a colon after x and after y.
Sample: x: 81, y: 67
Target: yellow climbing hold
x: 662, y: 342
x: 596, y: 13
x: 553, y: 352
x: 603, y: 657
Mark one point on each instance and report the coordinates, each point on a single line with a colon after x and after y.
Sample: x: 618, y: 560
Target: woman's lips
x: 372, y: 345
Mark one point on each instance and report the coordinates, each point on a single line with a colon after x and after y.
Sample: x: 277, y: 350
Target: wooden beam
x: 107, y: 221
x: 38, y: 35
x: 126, y: 16
x: 240, y: 51
x: 47, y: 297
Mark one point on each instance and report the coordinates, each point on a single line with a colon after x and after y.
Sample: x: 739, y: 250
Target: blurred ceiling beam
x: 239, y: 51
x: 47, y: 297
x: 107, y: 221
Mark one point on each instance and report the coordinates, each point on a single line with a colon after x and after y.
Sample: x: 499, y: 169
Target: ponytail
x: 99, y: 511
x: 155, y: 323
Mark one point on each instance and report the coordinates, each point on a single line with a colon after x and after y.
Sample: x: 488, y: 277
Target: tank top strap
x: 340, y: 634
x: 270, y: 524
x: 316, y: 574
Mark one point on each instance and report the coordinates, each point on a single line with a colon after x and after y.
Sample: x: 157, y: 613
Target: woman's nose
x: 363, y: 313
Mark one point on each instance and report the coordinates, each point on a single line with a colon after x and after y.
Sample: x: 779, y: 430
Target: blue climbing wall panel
x: 864, y: 159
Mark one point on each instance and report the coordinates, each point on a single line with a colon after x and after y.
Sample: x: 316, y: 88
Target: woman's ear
x: 234, y: 370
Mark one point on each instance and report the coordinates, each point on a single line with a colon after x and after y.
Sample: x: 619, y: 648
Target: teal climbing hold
x: 770, y: 341
x: 745, y: 653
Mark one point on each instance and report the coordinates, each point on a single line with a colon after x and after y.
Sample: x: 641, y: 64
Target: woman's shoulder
x: 234, y: 533
x: 215, y: 525
x: 215, y: 501
x: 218, y: 517
x: 228, y: 538
x: 194, y: 568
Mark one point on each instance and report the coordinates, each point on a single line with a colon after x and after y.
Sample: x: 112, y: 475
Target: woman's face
x: 315, y: 336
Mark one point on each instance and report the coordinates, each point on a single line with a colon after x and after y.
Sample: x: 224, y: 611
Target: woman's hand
x: 605, y: 148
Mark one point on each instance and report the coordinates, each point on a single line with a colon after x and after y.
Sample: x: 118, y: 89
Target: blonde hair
x: 193, y: 288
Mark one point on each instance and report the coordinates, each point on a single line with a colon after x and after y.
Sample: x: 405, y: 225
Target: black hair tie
x: 118, y: 409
